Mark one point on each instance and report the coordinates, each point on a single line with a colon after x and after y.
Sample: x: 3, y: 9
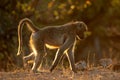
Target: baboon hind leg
x: 38, y: 49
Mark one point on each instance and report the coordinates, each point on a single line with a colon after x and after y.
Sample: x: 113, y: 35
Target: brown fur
x: 62, y: 37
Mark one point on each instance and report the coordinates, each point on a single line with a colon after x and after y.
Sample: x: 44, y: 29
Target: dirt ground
x: 58, y: 74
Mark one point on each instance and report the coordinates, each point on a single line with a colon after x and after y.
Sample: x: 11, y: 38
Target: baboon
x: 62, y: 37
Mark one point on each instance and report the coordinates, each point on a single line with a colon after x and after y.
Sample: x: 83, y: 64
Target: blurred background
x: 101, y: 16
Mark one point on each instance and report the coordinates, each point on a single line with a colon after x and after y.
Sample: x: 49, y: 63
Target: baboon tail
x: 32, y: 28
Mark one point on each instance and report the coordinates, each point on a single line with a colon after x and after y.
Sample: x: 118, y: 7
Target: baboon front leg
x: 60, y: 52
x: 38, y: 49
x: 57, y: 59
x: 70, y: 56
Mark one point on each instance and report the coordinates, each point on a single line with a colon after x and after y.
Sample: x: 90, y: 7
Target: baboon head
x: 81, y: 29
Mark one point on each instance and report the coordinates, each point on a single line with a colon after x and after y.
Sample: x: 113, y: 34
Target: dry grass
x: 59, y: 74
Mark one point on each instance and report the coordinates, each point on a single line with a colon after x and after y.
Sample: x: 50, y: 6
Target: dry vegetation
x: 60, y: 74
x: 85, y: 72
x: 101, y: 16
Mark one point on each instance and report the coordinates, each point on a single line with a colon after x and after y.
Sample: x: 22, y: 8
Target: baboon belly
x: 51, y: 46
x: 53, y: 43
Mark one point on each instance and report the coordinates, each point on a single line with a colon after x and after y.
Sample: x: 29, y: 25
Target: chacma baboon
x: 62, y: 37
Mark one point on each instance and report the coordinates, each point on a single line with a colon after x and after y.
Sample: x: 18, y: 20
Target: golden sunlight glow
x: 51, y: 46
x: 72, y: 6
x: 88, y: 2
